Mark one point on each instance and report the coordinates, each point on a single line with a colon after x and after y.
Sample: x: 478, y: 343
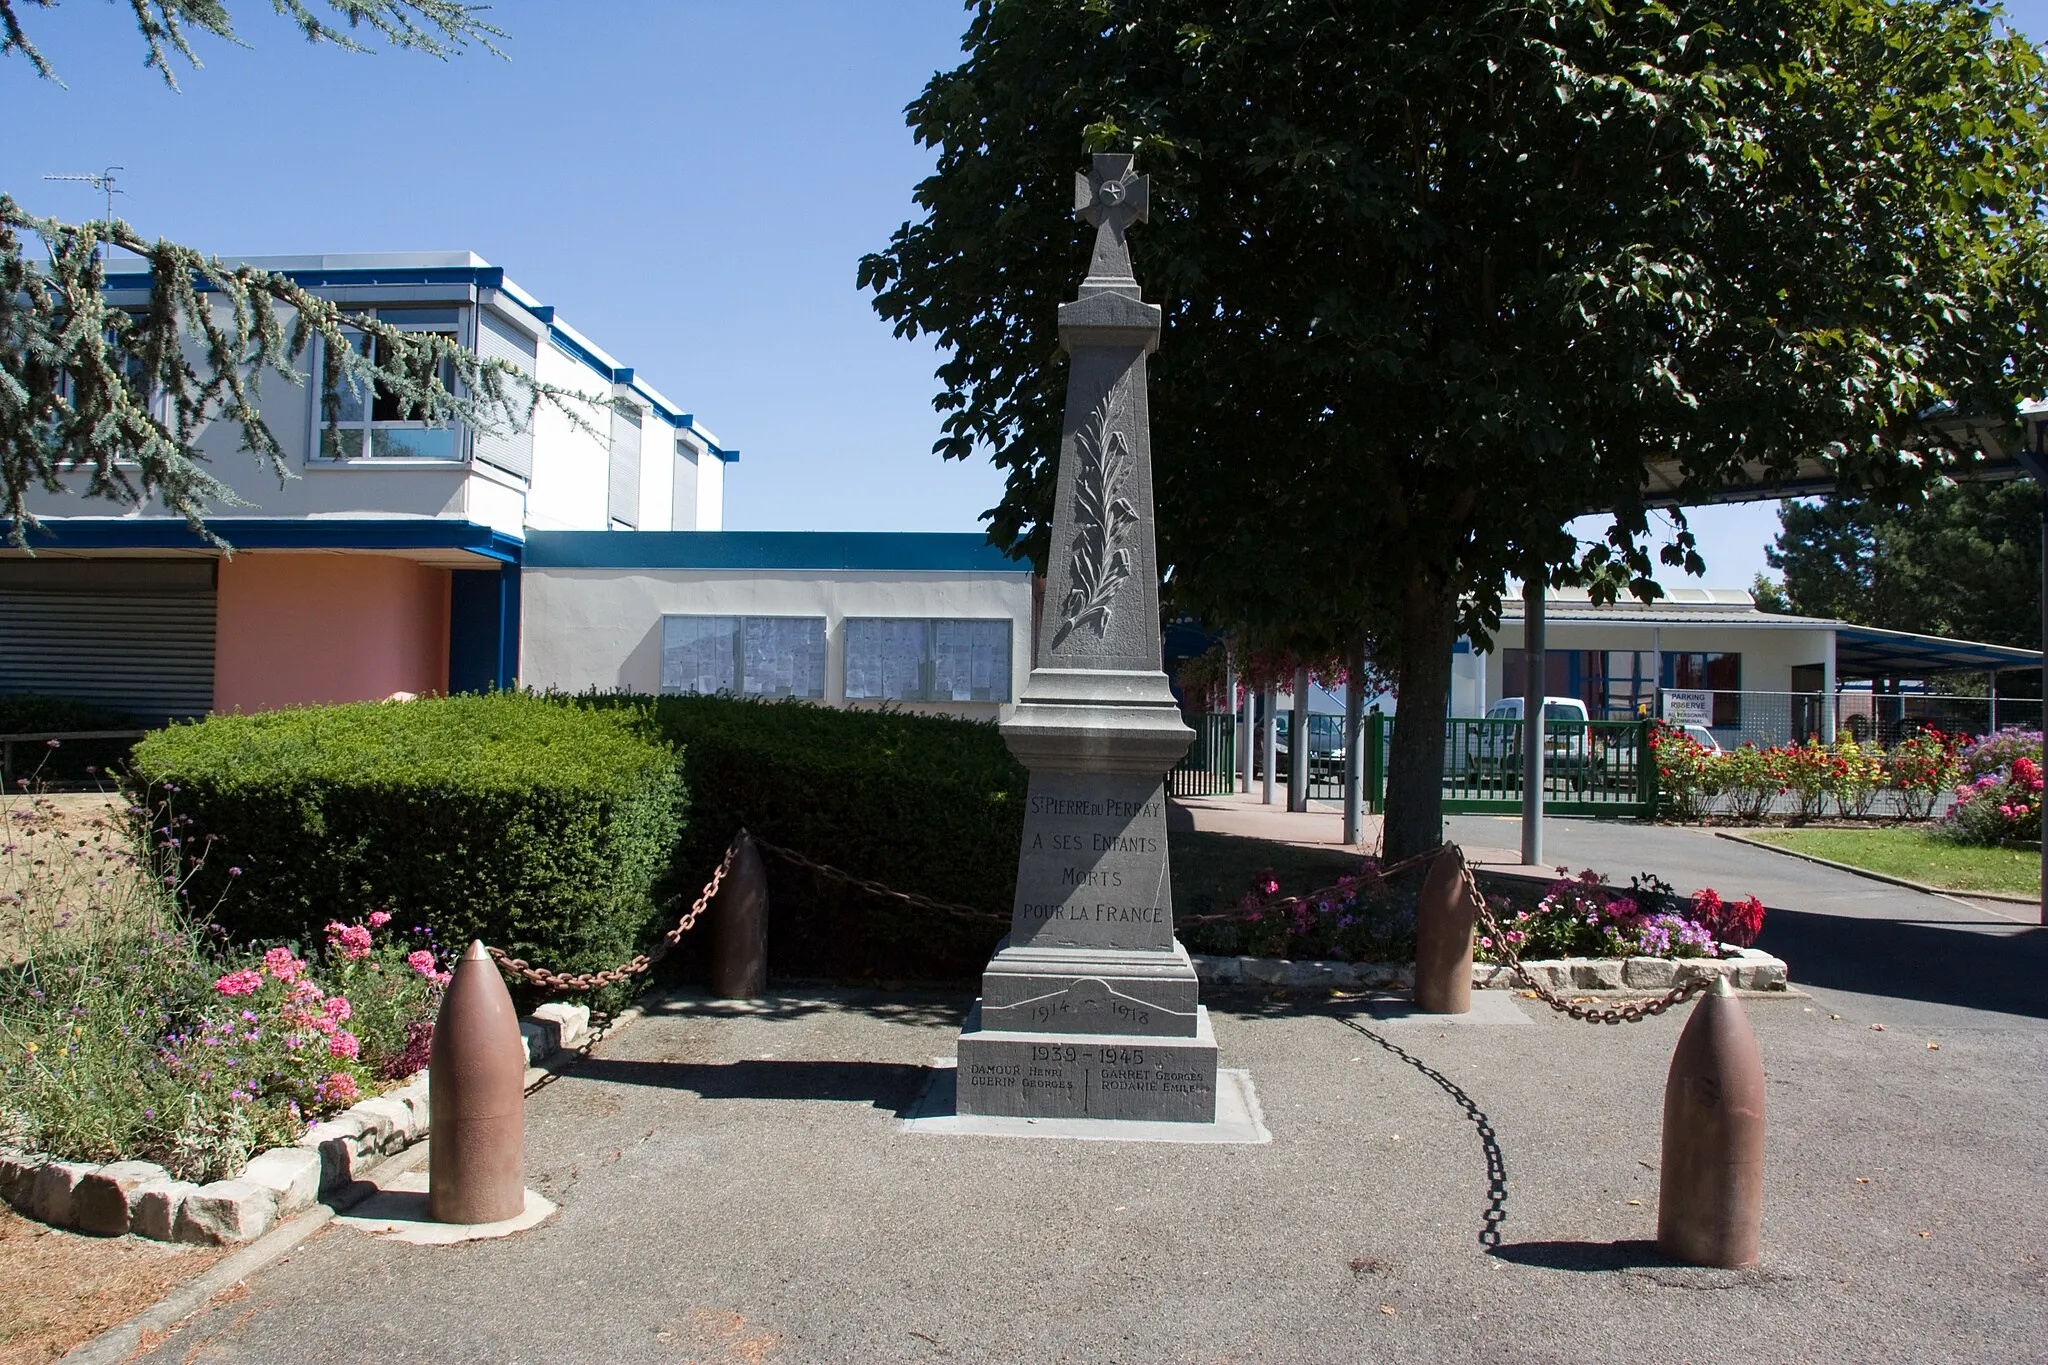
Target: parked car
x: 1491, y: 754
x: 1325, y: 748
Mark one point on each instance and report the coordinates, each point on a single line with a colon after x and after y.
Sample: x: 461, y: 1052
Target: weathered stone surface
x: 414, y: 1096
x: 538, y: 1039
x: 101, y: 1203
x: 1265, y: 971
x: 393, y: 1120
x: 1596, y: 974
x: 573, y: 1021
x: 225, y: 1212
x: 18, y: 1176
x: 1100, y: 1076
x: 56, y: 1184
x: 291, y: 1174
x: 1649, y: 974
x: 335, y: 1141
x: 153, y: 1208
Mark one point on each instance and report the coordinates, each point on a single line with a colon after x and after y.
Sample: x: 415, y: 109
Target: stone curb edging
x: 142, y: 1198
x: 1886, y: 877
x: 1748, y: 969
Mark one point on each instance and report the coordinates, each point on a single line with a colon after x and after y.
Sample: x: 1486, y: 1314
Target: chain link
x: 1627, y: 1012
x: 953, y: 908
x: 552, y: 981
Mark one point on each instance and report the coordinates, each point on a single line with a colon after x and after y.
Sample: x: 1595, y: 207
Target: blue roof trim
x: 879, y: 551
x: 483, y: 277
x: 273, y: 533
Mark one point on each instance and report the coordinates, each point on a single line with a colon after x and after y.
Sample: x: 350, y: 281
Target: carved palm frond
x: 1103, y: 518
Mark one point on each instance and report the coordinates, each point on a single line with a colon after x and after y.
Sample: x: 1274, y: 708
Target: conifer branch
x: 117, y: 398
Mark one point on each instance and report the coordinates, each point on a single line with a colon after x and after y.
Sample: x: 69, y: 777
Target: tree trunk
x: 1415, y: 761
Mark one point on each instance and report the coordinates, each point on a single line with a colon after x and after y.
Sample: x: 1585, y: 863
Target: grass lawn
x: 1211, y: 871
x: 1918, y: 856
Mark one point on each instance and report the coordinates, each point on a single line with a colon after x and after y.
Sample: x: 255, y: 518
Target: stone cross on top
x: 1111, y: 196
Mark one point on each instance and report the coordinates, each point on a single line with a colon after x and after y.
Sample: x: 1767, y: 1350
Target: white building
x: 402, y: 558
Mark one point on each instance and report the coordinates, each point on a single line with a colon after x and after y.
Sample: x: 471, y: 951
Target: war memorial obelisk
x: 1088, y: 1009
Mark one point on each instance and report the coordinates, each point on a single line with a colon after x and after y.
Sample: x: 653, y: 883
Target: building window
x: 356, y: 424
x: 1720, y: 674
x: 891, y: 658
x: 749, y: 656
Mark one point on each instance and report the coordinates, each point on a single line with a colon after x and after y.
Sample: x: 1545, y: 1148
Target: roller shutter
x: 132, y: 634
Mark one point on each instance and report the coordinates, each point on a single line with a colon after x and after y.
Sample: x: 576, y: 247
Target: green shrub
x: 540, y: 827
x: 926, y: 804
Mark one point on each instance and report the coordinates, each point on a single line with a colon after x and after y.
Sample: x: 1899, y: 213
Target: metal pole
x: 1297, y: 745
x: 1532, y: 723
x: 1269, y: 728
x: 1247, y: 759
x: 1230, y: 703
x: 1354, y: 757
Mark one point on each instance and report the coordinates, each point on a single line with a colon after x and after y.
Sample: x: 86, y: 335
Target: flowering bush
x: 1752, y: 777
x: 1922, y: 767
x: 1998, y: 806
x: 1367, y: 919
x: 1583, y: 916
x: 1812, y: 773
x: 128, y: 1029
x: 1995, y: 753
x: 1859, y: 776
x: 1689, y: 776
x: 1361, y: 919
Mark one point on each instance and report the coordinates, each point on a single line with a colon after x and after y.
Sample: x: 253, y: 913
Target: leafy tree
x: 111, y: 401
x: 1440, y: 275
x: 1963, y: 562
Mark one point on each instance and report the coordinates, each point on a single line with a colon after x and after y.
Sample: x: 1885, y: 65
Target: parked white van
x: 1486, y: 752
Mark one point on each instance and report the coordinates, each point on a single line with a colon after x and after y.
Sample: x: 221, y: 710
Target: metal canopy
x: 1867, y: 652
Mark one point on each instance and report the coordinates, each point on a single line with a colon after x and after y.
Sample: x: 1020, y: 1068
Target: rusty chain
x: 1627, y: 1012
x: 953, y: 908
x: 554, y: 981
x: 1630, y: 1012
x: 639, y: 962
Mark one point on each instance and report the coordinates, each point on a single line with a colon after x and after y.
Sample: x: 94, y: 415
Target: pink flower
x: 421, y: 961
x: 280, y: 963
x: 303, y: 990
x: 337, y: 1008
x: 1484, y: 941
x: 244, y: 982
x: 343, y: 1044
x: 352, y: 941
x: 379, y: 918
x: 340, y: 1087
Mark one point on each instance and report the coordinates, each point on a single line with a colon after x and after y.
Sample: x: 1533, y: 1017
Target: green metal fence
x: 1208, y: 766
x: 1589, y: 767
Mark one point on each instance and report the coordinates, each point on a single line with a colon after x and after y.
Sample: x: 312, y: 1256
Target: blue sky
x: 691, y: 184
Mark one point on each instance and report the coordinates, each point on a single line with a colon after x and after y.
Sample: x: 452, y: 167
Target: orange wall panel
x: 299, y: 628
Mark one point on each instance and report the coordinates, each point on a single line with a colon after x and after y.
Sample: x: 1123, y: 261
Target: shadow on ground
x: 884, y: 1085
x: 1967, y: 963
x: 1588, y: 1256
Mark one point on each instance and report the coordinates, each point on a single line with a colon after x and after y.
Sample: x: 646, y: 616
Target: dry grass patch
x: 58, y: 1288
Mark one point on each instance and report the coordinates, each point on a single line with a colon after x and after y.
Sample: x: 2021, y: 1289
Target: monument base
x: 1063, y: 990
x: 1088, y: 1075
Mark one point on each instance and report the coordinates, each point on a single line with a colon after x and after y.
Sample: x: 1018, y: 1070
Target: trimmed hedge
x: 540, y: 827
x: 927, y: 804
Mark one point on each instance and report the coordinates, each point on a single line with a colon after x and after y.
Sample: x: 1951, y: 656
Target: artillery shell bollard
x: 1444, y: 919
x: 476, y: 1096
x: 739, y: 928
x: 1710, y: 1196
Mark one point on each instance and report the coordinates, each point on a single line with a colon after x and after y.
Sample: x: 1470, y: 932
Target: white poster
x: 698, y: 653
x: 1688, y: 707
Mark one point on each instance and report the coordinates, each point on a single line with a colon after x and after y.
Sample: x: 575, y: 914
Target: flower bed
x: 1368, y: 918
x: 1744, y: 784
x: 130, y: 1031
x: 1999, y: 801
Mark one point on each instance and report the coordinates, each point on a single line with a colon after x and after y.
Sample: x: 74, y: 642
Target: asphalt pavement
x: 1888, y: 951
x: 736, y: 1187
